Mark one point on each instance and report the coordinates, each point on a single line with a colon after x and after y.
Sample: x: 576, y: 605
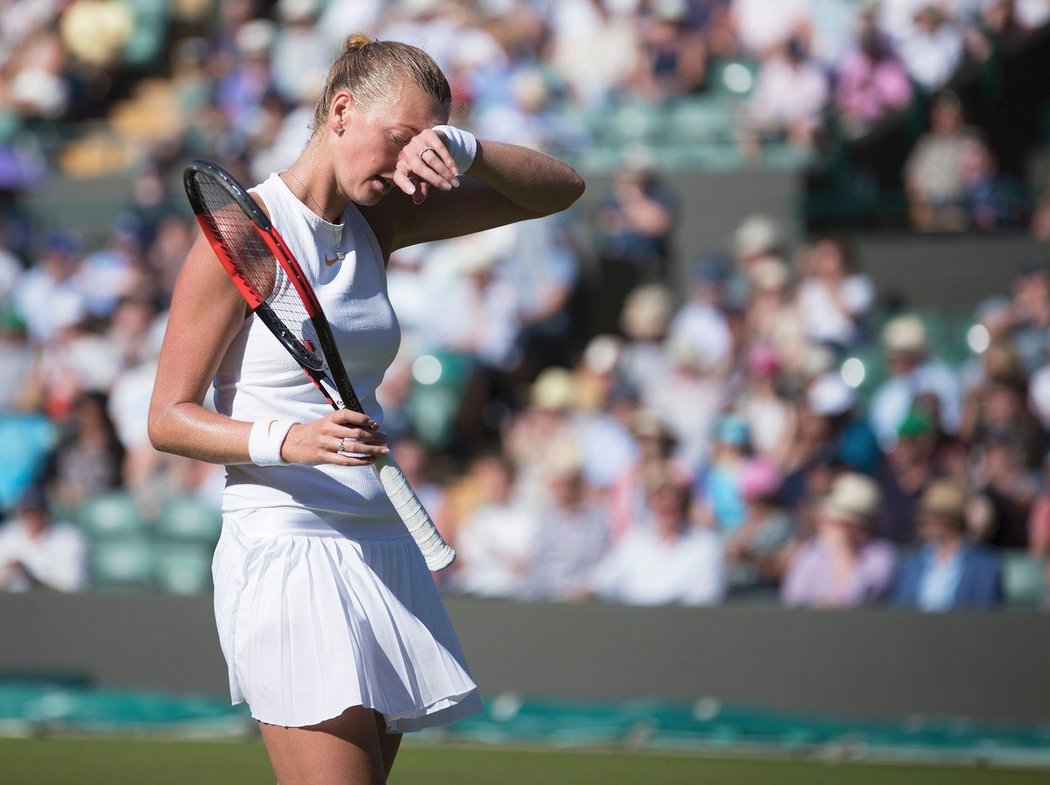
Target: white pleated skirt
x: 318, y: 615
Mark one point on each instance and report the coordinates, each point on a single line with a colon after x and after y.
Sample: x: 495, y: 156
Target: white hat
x: 854, y: 498
x: 256, y: 37
x: 647, y: 312
x: 756, y: 235
x: 829, y: 396
x: 555, y: 388
x: 297, y: 10
x: 906, y: 334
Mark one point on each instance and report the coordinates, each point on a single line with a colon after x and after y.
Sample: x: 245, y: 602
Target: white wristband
x: 264, y: 443
x: 462, y: 145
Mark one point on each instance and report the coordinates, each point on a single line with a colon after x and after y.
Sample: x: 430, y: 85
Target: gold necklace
x: 339, y: 255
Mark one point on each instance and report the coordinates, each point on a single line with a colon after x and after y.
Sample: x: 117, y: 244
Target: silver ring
x: 425, y: 150
x: 342, y: 444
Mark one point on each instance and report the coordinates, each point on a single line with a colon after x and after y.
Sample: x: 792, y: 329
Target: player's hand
x: 425, y: 162
x: 344, y: 438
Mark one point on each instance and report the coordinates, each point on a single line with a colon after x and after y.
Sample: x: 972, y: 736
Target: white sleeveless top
x: 259, y: 380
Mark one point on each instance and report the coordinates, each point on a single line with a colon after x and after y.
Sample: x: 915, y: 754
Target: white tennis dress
x: 322, y: 599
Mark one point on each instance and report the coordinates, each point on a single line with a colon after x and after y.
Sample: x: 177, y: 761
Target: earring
x: 339, y: 131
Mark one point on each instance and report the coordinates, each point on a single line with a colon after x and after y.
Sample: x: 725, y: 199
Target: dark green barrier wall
x: 864, y: 663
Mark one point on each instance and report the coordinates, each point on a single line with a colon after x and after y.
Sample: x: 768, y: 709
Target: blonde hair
x: 369, y: 69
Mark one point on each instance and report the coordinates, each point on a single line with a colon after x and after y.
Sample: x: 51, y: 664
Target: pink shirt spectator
x: 811, y: 580
x: 868, y: 89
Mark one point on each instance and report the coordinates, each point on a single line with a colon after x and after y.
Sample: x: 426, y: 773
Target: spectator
x: 909, y: 469
x: 844, y: 565
x: 756, y: 553
x: 45, y: 297
x: 870, y: 84
x: 1026, y: 320
x: 933, y: 174
x: 949, y: 571
x: 773, y: 316
x: 593, y: 48
x: 627, y: 495
x: 572, y: 538
x: 36, y: 552
x: 90, y: 458
x: 634, y: 225
x: 718, y: 488
x: 790, y: 94
x: 913, y: 373
x: 665, y: 561
x: 770, y: 416
x: 762, y: 26
x: 673, y: 53
x: 1008, y: 490
x: 935, y: 48
x: 834, y: 298
x: 645, y: 321
x: 995, y: 201
x: 701, y: 321
x: 496, y: 544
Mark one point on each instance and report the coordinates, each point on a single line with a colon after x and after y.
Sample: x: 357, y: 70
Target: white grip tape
x: 435, y: 550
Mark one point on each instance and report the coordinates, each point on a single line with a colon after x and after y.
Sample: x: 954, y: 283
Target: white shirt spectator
x: 496, y: 545
x: 646, y: 569
x: 606, y: 446
x: 56, y: 558
x: 47, y: 305
x: 789, y: 94
x: 931, y: 60
x: 762, y: 24
x: 703, y: 326
x: 893, y: 400
x: 825, y: 321
x: 479, y: 313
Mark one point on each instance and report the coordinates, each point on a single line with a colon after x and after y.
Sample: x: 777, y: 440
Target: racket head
x: 260, y: 264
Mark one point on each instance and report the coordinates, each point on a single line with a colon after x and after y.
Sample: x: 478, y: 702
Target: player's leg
x: 389, y: 743
x: 346, y: 750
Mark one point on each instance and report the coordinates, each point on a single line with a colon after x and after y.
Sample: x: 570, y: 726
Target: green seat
x: 1024, y: 579
x: 122, y: 563
x: 189, y: 519
x: 110, y: 515
x: 182, y: 568
x: 701, y: 120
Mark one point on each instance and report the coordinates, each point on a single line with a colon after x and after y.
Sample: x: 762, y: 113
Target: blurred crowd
x: 578, y: 425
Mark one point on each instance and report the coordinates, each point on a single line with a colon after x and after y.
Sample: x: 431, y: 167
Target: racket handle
x: 435, y: 550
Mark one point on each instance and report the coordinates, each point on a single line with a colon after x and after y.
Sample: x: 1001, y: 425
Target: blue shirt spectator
x: 949, y: 571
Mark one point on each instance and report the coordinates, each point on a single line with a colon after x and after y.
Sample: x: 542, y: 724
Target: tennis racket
x: 272, y: 283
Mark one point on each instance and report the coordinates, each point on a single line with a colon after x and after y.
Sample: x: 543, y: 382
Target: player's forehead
x: 411, y: 107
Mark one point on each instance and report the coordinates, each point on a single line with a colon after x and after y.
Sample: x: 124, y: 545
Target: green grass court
x: 125, y: 762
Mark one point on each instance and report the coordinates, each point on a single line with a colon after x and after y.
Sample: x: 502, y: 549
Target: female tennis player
x: 330, y: 623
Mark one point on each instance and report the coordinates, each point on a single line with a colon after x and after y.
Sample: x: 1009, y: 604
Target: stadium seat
x: 121, y: 563
x: 182, y: 568
x: 701, y: 119
x: 110, y: 515
x: 189, y: 519
x: 1024, y: 579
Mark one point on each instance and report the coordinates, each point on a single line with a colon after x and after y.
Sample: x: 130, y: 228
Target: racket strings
x: 256, y: 265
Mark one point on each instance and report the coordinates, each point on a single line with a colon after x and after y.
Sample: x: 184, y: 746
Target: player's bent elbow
x: 159, y: 431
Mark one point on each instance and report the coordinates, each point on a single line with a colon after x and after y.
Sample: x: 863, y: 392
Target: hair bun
x: 356, y: 41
